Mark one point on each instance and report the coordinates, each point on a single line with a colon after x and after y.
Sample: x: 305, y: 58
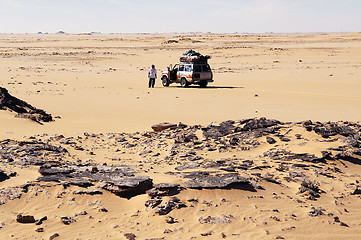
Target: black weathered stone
x: 187, y: 165
x: 152, y: 203
x: 130, y: 236
x: 53, y: 171
x: 3, y: 176
x: 253, y: 124
x: 40, y: 221
x: 67, y: 220
x: 270, y: 140
x: 129, y: 187
x: 168, y: 206
x: 55, y: 235
x: 25, y: 219
x: 315, y: 212
x: 165, y: 189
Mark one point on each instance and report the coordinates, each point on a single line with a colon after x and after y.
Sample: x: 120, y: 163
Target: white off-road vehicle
x: 193, y: 68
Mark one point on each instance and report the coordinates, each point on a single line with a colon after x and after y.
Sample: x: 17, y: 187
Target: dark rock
x: 344, y: 224
x: 3, y: 176
x: 270, y: 140
x: 25, y: 219
x: 39, y: 230
x: 201, y: 180
x: 329, y: 129
x: 315, y: 212
x: 41, y: 220
x: 163, y: 126
x: 55, y: 235
x: 129, y: 187
x: 253, y: 124
x: 215, y: 132
x: 81, y: 213
x: 168, y: 206
x: 207, y: 233
x: 284, y: 139
x: 103, y: 210
x: 170, y: 220
x: 270, y: 178
x: 30, y: 148
x: 67, y: 220
x: 25, y: 110
x: 152, y: 203
x: 187, y: 165
x: 52, y: 171
x: 357, y: 191
x: 88, y: 192
x: 184, y: 137
x: 165, y: 189
x: 130, y: 236
x: 234, y: 141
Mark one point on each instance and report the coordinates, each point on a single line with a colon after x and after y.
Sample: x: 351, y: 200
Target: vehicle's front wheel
x: 165, y: 81
x: 184, y: 83
x: 203, y: 84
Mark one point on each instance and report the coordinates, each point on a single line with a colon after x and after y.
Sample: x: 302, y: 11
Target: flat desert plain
x: 269, y: 150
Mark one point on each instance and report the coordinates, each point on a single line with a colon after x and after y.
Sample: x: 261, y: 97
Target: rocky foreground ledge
x: 22, y: 108
x: 250, y: 155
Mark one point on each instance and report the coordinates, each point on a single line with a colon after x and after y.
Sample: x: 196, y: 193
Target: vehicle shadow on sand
x: 208, y: 87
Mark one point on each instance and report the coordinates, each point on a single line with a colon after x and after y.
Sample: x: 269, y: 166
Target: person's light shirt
x: 152, y: 73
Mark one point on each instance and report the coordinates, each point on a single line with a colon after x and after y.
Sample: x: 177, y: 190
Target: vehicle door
x: 206, y: 72
x: 180, y: 72
x: 173, y: 72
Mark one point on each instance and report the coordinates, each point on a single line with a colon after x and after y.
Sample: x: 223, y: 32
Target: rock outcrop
x: 22, y: 108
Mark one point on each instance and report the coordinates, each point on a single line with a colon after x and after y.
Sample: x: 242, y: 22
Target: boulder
x: 165, y: 189
x: 3, y: 176
x: 163, y: 126
x: 25, y: 219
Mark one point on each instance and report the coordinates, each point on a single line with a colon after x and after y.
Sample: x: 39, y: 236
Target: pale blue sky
x: 120, y: 16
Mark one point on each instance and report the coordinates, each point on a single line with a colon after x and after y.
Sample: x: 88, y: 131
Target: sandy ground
x: 296, y: 77
x: 98, y: 84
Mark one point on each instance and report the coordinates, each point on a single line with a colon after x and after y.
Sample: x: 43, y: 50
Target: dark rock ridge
x: 186, y: 149
x: 118, y: 180
x: 22, y: 108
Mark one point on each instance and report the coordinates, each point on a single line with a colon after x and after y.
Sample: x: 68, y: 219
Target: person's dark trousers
x: 151, y: 82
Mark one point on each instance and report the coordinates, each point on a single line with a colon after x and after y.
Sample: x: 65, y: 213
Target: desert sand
x: 94, y: 172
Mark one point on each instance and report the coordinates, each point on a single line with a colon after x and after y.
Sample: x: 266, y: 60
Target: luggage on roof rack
x: 193, y: 56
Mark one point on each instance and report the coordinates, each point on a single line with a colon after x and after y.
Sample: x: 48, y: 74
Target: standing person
x: 152, y: 74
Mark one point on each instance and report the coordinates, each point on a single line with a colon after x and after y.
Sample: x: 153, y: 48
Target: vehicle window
x: 181, y: 67
x: 197, y: 68
x: 206, y: 68
x: 188, y: 68
x: 176, y: 66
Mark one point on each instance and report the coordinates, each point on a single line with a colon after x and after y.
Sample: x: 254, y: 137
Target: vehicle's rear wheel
x: 184, y: 83
x: 203, y: 84
x: 165, y: 81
